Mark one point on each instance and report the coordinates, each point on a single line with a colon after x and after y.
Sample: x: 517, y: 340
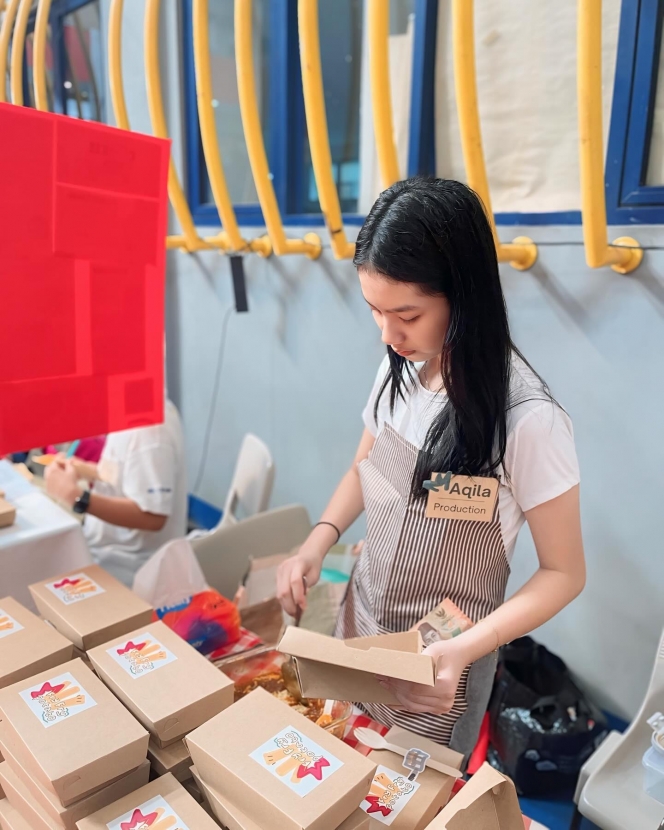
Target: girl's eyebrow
x: 399, y: 310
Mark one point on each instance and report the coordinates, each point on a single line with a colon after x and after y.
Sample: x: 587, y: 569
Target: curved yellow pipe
x: 18, y: 50
x: 210, y: 140
x: 5, y: 37
x: 39, y: 55
x: 522, y: 252
x: 251, y: 123
x: 591, y: 149
x: 116, y: 83
x: 190, y: 238
x: 319, y: 142
x: 378, y: 16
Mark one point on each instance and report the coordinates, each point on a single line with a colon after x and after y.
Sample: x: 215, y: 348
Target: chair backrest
x: 224, y: 554
x: 252, y: 482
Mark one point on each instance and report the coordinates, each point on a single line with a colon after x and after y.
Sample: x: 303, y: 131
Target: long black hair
x: 434, y: 233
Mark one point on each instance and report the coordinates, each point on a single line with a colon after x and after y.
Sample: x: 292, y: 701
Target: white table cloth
x: 44, y: 541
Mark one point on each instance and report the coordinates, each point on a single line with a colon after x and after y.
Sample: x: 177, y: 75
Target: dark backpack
x: 543, y: 728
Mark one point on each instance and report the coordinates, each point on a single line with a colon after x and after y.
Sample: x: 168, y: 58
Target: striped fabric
x: 410, y: 564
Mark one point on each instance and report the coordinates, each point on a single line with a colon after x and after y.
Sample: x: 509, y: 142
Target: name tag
x: 461, y: 497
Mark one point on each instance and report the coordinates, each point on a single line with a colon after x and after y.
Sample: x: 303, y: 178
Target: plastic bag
x: 173, y: 583
x: 543, y: 728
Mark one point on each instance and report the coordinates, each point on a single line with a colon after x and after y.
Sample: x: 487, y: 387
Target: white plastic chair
x: 224, y: 554
x: 253, y: 479
x: 613, y: 796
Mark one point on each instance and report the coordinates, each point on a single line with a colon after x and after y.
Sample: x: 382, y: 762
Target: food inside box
x: 263, y: 669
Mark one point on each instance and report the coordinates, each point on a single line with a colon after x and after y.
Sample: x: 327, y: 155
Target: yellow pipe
x: 381, y: 92
x: 319, y: 142
x: 522, y: 252
x: 39, y: 55
x: 251, y: 123
x: 18, y: 50
x: 209, y: 137
x: 5, y: 37
x: 192, y: 241
x: 115, y: 64
x: 591, y: 149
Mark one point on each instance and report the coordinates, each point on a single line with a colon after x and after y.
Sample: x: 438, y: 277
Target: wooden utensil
x: 375, y: 740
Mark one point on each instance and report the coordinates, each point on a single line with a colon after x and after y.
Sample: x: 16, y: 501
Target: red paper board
x: 83, y: 214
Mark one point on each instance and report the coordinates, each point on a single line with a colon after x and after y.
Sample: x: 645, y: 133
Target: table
x: 44, y: 541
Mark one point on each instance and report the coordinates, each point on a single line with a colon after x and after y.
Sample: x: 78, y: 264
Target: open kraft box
x: 329, y: 668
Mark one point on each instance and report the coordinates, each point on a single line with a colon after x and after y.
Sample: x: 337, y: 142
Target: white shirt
x: 147, y: 466
x: 540, y: 457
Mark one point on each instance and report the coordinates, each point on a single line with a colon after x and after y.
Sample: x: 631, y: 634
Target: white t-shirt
x: 147, y: 466
x: 540, y: 456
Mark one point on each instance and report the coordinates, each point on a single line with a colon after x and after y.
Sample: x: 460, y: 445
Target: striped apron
x: 409, y: 565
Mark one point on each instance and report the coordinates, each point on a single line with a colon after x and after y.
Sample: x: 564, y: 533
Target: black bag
x: 542, y: 726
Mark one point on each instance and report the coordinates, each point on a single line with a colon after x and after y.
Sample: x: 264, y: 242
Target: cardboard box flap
x: 487, y: 802
x: 376, y: 657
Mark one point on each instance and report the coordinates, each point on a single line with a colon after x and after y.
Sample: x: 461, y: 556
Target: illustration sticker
x: 74, y: 588
x: 155, y: 814
x: 58, y: 699
x: 390, y: 792
x: 141, y: 655
x: 8, y: 625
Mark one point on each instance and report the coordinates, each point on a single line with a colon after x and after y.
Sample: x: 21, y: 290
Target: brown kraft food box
x: 89, y: 606
x: 27, y: 644
x: 69, y: 732
x: 278, y: 767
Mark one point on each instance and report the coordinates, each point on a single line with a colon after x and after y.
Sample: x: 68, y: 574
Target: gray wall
x: 298, y: 368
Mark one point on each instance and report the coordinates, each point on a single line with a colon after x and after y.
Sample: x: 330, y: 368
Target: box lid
x: 74, y: 733
x: 160, y: 800
x: 264, y: 755
x: 173, y: 758
x: 27, y: 644
x: 163, y: 681
x: 347, y: 669
x: 88, y: 604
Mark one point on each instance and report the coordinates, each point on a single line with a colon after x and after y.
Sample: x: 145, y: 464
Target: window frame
x: 287, y: 116
x: 629, y: 200
x: 59, y: 10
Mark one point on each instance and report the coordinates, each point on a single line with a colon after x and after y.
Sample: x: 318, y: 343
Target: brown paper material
x: 152, y: 798
x: 68, y: 816
x: 278, y: 767
x: 7, y: 513
x: 487, y: 802
x: 89, y: 606
x: 231, y: 818
x: 346, y: 670
x: 68, y: 731
x: 409, y: 805
x: 174, y: 759
x: 27, y: 644
x: 164, y: 682
x: 461, y: 497
x: 10, y: 818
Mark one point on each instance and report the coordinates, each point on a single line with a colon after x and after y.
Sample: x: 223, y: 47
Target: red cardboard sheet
x: 83, y: 213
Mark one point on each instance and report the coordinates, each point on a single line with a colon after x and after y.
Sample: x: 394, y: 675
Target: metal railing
x: 591, y: 149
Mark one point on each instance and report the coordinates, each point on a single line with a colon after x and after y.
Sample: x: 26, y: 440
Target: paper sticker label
x: 8, y: 625
x: 155, y: 814
x: 296, y: 760
x: 141, y: 655
x: 75, y: 588
x: 58, y: 699
x: 461, y: 497
x: 389, y: 793
x: 443, y: 623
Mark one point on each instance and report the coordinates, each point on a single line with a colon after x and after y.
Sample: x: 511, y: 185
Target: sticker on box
x: 58, y: 699
x: 296, y: 760
x: 389, y: 793
x: 8, y: 625
x: 75, y: 588
x: 141, y: 655
x: 155, y: 814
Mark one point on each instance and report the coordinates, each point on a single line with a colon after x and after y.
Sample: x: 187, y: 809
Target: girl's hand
x: 291, y: 575
x: 438, y: 699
